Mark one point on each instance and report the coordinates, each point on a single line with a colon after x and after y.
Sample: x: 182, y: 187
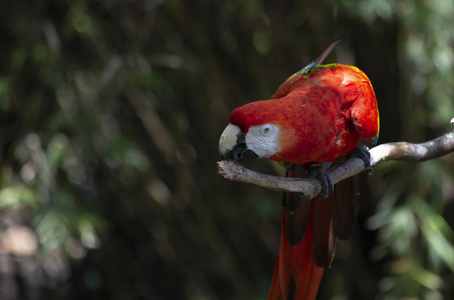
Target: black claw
x: 325, y: 181
x: 362, y: 152
x: 369, y: 172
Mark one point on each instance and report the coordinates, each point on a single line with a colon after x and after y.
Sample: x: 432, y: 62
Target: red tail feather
x: 296, y: 276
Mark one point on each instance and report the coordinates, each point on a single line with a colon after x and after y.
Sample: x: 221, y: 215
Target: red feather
x: 296, y: 276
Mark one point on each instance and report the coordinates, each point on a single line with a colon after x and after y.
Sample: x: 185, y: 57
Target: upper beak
x: 232, y: 144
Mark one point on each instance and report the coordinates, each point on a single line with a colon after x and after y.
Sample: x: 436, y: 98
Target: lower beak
x: 232, y: 144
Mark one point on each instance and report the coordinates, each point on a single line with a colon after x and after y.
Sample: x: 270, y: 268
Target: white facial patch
x: 263, y: 139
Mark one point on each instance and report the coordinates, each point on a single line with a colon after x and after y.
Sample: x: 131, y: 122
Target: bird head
x: 251, y: 133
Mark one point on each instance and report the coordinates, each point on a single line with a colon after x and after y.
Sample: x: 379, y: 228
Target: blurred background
x: 110, y: 115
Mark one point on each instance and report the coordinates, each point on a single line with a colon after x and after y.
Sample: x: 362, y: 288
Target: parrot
x: 316, y: 118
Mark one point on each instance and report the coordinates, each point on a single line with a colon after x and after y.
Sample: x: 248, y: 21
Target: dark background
x: 110, y: 115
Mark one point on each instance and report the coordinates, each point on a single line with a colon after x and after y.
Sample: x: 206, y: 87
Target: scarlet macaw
x: 317, y: 115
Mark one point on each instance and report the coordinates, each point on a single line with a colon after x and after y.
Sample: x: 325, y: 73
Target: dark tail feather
x: 296, y: 210
x: 345, y: 207
x: 322, y: 225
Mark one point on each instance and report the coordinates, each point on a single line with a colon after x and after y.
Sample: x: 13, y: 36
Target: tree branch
x: 310, y: 187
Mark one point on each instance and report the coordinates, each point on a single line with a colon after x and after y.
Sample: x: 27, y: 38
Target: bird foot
x: 362, y: 152
x: 325, y: 181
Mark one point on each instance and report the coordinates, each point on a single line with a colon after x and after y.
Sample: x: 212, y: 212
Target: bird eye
x: 266, y: 130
